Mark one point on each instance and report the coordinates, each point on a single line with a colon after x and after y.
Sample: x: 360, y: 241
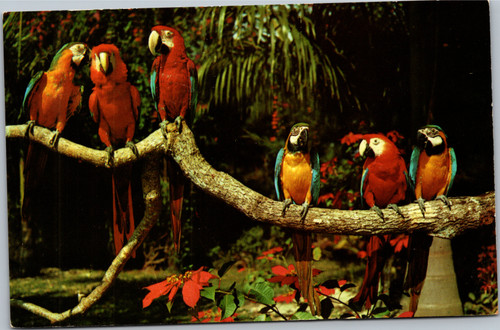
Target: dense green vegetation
x: 374, y: 67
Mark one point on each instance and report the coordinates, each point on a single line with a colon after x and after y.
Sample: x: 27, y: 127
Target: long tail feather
x: 303, y: 256
x: 368, y: 292
x: 176, y: 182
x: 34, y: 168
x: 419, y: 246
x: 123, y: 211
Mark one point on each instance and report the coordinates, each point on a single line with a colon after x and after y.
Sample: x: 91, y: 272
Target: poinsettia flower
x: 351, y: 138
x: 399, y: 242
x: 324, y: 290
x: 286, y: 298
x: 394, y: 136
x: 270, y: 253
x: 192, y: 282
x: 288, y: 276
x: 406, y: 314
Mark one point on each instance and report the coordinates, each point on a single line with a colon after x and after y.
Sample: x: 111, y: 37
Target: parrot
x: 51, y: 98
x: 383, y: 184
x: 114, y: 106
x: 297, y: 181
x: 174, y: 87
x: 433, y: 166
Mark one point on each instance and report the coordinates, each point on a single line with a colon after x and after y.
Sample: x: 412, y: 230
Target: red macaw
x: 383, y: 184
x: 297, y: 180
x: 114, y: 105
x: 433, y: 166
x: 173, y: 83
x: 51, y: 98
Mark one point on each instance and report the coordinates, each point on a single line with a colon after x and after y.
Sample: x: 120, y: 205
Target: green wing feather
x: 316, y: 176
x: 453, y: 168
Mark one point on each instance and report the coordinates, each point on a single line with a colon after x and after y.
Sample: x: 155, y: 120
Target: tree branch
x: 466, y: 212
x: 152, y: 199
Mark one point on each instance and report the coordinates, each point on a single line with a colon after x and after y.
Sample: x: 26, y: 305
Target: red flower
x: 286, y: 298
x: 192, y: 282
x: 270, y: 253
x: 324, y: 290
x: 399, y: 242
x: 288, y: 276
x: 351, y: 138
x: 406, y: 314
x: 394, y: 136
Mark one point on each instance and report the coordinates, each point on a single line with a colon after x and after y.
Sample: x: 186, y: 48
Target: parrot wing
x: 30, y: 91
x: 453, y: 168
x: 153, y: 81
x: 136, y: 101
x: 415, y: 156
x: 363, y: 179
x: 193, y: 77
x: 94, y: 106
x: 277, y: 171
x: 316, y: 176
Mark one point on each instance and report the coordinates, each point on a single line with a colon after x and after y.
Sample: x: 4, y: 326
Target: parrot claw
x: 303, y: 213
x: 109, y: 161
x: 396, y: 209
x: 420, y: 202
x: 378, y: 211
x: 55, y: 137
x: 163, y: 127
x: 29, y: 128
x: 178, y: 123
x: 132, y: 147
x: 445, y: 200
x: 286, y: 204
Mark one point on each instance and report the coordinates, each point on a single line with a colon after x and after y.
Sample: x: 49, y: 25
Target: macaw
x: 51, y: 98
x: 114, y: 105
x: 383, y: 184
x: 433, y: 166
x: 297, y: 181
x: 173, y: 83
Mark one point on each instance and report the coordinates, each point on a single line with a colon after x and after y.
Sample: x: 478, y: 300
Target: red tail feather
x: 34, y: 168
x: 123, y: 212
x: 303, y: 255
x: 374, y: 265
x: 176, y: 182
x: 418, y: 253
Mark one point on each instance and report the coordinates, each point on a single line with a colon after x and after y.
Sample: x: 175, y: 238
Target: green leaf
x: 331, y: 284
x: 260, y: 318
x: 347, y: 286
x: 169, y: 304
x: 326, y: 308
x: 239, y: 298
x: 317, y: 253
x: 263, y: 293
x: 380, y: 312
x: 303, y: 316
x: 208, y: 292
x: 227, y: 306
x: 225, y: 267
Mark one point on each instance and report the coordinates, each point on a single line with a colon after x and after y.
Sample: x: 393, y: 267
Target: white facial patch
x: 78, y: 51
x: 294, y: 139
x: 377, y: 146
x: 435, y: 141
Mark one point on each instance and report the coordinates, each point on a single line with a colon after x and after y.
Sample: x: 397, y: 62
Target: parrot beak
x: 105, y: 62
x: 154, y: 43
x: 362, y: 147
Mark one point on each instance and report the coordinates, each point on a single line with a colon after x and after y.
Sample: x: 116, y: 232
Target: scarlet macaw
x: 433, y: 167
x: 383, y: 184
x: 173, y: 83
x: 114, y: 105
x: 297, y: 181
x: 51, y: 98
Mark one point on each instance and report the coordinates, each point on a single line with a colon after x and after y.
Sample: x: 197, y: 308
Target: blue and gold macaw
x: 297, y: 181
x: 383, y: 184
x: 433, y: 166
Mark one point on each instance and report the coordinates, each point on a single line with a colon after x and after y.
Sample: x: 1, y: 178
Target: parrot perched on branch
x: 383, y: 184
x: 114, y: 105
x: 51, y: 98
x: 297, y: 181
x: 433, y: 166
x: 174, y: 87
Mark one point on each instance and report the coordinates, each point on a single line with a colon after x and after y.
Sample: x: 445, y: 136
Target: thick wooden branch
x: 152, y: 199
x: 466, y: 212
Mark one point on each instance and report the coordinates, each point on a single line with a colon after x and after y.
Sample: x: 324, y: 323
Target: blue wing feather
x: 415, y: 156
x: 316, y: 176
x: 153, y: 83
x: 453, y: 168
x: 31, y: 86
x: 277, y: 171
x: 363, y: 178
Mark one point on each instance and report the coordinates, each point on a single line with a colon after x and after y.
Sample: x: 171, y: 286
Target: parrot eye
x: 169, y: 33
x: 376, y: 141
